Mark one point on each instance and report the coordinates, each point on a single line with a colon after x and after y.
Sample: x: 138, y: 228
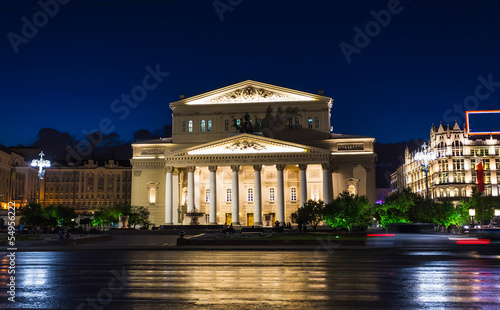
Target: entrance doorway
x: 269, y: 219
x: 249, y: 219
x: 229, y: 218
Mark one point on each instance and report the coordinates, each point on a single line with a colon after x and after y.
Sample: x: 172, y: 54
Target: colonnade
x: 235, y: 201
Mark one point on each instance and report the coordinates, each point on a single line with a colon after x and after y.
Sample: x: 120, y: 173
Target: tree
x: 311, y: 212
x: 396, y: 208
x: 348, y: 210
x: 461, y: 216
x: 32, y: 215
x: 484, y: 206
x: 444, y: 213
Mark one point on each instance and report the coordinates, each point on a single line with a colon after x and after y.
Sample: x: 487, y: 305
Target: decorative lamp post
x: 472, y: 213
x: 40, y: 163
x: 426, y: 155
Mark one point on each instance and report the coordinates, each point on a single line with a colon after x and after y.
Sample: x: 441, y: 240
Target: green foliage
x: 444, y: 213
x: 51, y: 216
x: 311, y: 212
x: 348, y: 210
x: 484, y: 206
x: 108, y: 215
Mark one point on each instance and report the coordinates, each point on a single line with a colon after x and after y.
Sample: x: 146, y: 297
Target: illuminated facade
x: 452, y: 174
x: 282, y: 155
x: 87, y: 187
x: 18, y: 180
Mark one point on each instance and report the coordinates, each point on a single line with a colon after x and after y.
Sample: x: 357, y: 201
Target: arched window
x: 250, y: 195
x: 190, y: 126
x: 152, y: 195
x: 110, y: 183
x: 462, y: 192
x: 90, y: 183
x: 228, y: 195
x: 314, y: 194
x: 293, y: 193
x: 271, y: 194
x: 100, y: 184
x: 209, y: 125
x: 202, y: 126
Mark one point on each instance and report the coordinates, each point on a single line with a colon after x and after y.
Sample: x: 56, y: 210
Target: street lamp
x: 40, y: 163
x: 426, y: 155
x: 472, y: 213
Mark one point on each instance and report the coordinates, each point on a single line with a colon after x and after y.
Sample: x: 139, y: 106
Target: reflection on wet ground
x: 361, y: 279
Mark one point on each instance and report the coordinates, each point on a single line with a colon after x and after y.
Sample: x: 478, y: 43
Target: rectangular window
x: 228, y: 195
x: 290, y: 123
x: 183, y: 126
x: 226, y: 125
x: 297, y: 123
x: 310, y: 122
x: 271, y: 194
x: 293, y: 194
x: 207, y: 195
x: 486, y: 164
x: 250, y: 195
x: 316, y: 121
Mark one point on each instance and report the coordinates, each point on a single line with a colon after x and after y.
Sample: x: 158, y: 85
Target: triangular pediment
x: 248, y: 92
x: 248, y: 144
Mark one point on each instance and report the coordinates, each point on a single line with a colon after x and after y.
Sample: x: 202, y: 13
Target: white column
x: 175, y: 197
x: 257, y: 203
x: 281, y: 194
x: 326, y: 183
x: 197, y: 192
x: 213, y: 195
x: 235, y: 198
x: 303, y: 184
x: 168, y: 195
x: 190, y: 193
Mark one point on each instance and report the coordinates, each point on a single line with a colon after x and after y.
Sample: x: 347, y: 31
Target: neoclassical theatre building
x: 248, y: 154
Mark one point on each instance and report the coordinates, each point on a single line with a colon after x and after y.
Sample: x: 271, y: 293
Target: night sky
x: 429, y: 56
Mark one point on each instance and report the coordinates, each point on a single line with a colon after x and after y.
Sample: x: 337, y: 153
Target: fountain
x: 194, y: 215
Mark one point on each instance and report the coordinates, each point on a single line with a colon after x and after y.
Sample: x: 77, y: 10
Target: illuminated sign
x: 152, y: 151
x: 483, y: 122
x: 351, y: 147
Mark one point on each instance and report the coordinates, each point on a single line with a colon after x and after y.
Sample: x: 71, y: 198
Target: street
x: 346, y: 279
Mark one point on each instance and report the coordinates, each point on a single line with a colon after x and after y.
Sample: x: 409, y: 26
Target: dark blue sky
x: 410, y: 75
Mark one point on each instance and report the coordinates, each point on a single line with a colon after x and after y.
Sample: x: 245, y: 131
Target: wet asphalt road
x: 347, y: 279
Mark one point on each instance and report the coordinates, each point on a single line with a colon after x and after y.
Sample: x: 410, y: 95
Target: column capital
x: 212, y: 168
x: 302, y: 166
x: 257, y: 167
x: 325, y: 166
x: 235, y: 168
x: 190, y: 168
x: 169, y: 169
x: 280, y: 167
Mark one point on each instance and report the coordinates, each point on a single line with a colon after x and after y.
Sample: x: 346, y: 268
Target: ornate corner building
x: 248, y: 154
x: 453, y: 172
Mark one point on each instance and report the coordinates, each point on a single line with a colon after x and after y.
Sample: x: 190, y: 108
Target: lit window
x: 293, y: 193
x: 297, y: 123
x: 310, y: 122
x: 271, y: 194
x: 152, y: 195
x: 202, y: 126
x: 238, y: 122
x: 209, y: 126
x: 250, y: 195
x: 207, y: 195
x: 228, y: 195
x: 190, y: 126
